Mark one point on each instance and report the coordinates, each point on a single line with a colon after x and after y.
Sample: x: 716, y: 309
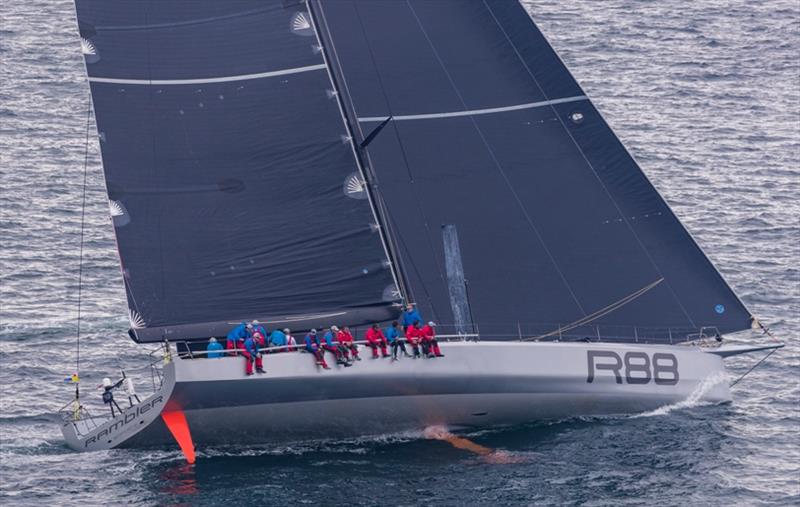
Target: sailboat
x: 315, y: 163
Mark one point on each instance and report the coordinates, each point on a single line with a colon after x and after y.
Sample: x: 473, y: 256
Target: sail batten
x: 208, y: 80
x: 475, y: 112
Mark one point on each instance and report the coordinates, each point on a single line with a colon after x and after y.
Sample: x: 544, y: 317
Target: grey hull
x: 476, y: 385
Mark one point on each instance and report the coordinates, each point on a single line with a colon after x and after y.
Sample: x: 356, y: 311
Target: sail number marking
x: 634, y: 367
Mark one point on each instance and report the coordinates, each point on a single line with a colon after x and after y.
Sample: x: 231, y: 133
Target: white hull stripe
x: 474, y: 112
x: 224, y: 79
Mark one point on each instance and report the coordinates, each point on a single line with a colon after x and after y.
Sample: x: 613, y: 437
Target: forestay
x: 492, y: 135
x: 234, y: 188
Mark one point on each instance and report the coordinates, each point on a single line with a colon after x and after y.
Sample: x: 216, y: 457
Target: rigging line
x: 496, y: 161
x: 80, y: 254
x: 586, y: 159
x: 766, y: 330
x: 417, y: 199
x: 599, y: 313
x: 753, y: 367
x: 416, y: 270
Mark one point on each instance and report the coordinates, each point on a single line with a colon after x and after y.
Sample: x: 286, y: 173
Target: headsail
x: 233, y: 185
x: 491, y: 134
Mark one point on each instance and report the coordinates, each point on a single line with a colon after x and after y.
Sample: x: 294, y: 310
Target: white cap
x: 334, y: 328
x: 286, y: 330
x: 256, y: 322
x: 212, y: 340
x: 249, y: 326
x: 313, y: 331
x: 106, y: 382
x: 432, y: 323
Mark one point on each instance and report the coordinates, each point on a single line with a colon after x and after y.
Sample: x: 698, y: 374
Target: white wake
x: 694, y: 399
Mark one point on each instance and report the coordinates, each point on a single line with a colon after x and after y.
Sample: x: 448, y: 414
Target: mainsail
x: 491, y: 136
x: 234, y: 184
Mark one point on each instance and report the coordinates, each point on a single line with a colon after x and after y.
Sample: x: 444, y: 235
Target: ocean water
x: 705, y: 94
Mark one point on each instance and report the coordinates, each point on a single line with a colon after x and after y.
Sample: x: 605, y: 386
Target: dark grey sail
x: 490, y: 133
x: 234, y: 187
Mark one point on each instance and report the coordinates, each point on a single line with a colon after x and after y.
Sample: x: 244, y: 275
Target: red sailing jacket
x: 427, y: 333
x: 413, y: 335
x: 374, y: 336
x: 344, y: 338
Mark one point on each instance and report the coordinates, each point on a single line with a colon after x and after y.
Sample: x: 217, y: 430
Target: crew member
x: 261, y: 342
x: 413, y: 337
x: 252, y: 355
x: 375, y: 338
x: 430, y: 345
x: 314, y: 346
x: 236, y: 337
x: 291, y: 343
x: 214, y: 348
x: 277, y: 339
x: 409, y: 316
x: 257, y: 327
x: 395, y: 340
x: 108, y: 395
x: 329, y: 343
x: 347, y: 344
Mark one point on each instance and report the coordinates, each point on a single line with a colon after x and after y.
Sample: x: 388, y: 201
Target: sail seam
x: 476, y: 112
x: 223, y: 79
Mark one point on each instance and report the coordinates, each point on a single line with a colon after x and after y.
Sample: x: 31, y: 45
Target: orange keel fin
x: 177, y: 425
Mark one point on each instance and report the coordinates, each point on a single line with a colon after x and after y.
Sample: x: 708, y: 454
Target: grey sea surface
x: 706, y: 95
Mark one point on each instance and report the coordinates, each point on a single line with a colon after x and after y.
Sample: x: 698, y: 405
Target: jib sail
x: 489, y: 133
x: 234, y: 186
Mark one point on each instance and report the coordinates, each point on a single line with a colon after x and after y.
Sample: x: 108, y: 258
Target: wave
x: 30, y: 419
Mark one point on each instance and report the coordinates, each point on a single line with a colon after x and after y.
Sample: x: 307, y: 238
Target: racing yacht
x: 311, y: 163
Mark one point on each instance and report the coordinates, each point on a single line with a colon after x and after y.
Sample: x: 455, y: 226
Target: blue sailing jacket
x: 311, y: 341
x: 214, y: 350
x: 277, y: 338
x: 251, y: 346
x: 410, y: 317
x: 329, y: 339
x: 239, y: 332
x: 392, y: 334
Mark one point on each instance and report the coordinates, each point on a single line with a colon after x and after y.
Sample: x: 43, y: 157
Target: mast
x: 371, y: 190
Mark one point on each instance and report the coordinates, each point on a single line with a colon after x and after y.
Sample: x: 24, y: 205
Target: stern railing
x: 83, y: 420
